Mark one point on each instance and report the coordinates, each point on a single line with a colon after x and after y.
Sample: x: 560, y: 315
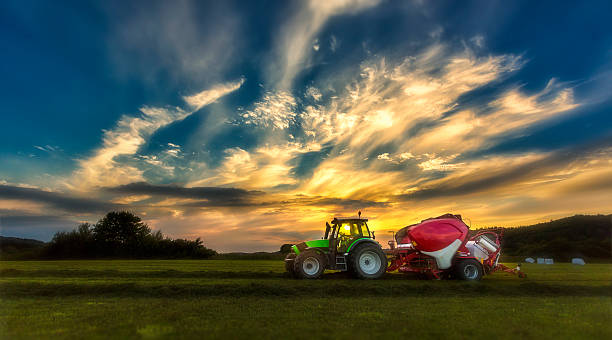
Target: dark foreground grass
x: 253, y: 299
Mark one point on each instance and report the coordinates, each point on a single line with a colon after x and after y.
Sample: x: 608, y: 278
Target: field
x: 254, y: 299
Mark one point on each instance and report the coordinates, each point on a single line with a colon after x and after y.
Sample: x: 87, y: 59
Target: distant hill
x: 587, y: 236
x: 14, y: 247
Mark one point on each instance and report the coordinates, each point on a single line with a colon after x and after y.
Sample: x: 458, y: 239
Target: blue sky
x: 270, y: 117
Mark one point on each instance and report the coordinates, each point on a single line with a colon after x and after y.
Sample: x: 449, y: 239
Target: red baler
x: 441, y: 248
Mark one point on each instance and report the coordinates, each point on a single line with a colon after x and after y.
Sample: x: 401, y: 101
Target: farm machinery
x: 348, y: 245
x: 436, y: 248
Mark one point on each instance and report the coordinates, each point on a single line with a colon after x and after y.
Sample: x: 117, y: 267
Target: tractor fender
x: 362, y: 241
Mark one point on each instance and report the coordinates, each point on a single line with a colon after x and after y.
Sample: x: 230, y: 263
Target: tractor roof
x: 350, y: 219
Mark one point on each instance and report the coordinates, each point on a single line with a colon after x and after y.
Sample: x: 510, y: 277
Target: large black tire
x: 368, y: 261
x: 468, y: 270
x: 289, y: 262
x: 309, y: 264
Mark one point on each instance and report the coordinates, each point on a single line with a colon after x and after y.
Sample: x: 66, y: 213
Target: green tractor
x: 348, y: 245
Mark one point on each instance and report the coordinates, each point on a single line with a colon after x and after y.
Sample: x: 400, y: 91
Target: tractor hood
x: 300, y: 247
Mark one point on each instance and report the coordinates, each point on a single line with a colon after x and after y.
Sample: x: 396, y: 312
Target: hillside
x: 14, y: 247
x: 587, y: 236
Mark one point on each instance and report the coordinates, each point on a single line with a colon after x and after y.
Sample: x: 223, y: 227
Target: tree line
x: 121, y: 234
x: 584, y: 236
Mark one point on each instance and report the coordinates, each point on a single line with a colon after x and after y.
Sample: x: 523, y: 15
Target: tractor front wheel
x: 368, y: 262
x: 469, y: 270
x: 289, y: 262
x: 309, y: 264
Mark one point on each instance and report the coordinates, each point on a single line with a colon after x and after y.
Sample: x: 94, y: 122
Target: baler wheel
x: 368, y: 262
x: 309, y: 264
x: 469, y: 270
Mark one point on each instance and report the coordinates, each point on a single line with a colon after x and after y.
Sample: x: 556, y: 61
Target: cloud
x: 390, y: 98
x: 179, y: 40
x: 294, y: 45
x: 199, y: 100
x: 406, y: 155
x: 478, y: 40
x: 47, y: 148
x: 266, y: 167
x: 231, y: 197
x: 440, y: 163
x: 274, y: 110
x: 314, y: 93
x: 333, y: 43
x: 55, y: 200
x: 383, y: 156
x: 212, y: 194
x: 132, y: 132
x: 565, y: 162
x: 345, y: 204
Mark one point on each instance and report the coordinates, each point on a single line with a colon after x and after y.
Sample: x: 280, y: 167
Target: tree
x: 77, y: 243
x: 120, y: 232
x: 286, y: 248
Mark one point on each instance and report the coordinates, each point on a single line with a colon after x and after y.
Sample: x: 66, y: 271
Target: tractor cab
x: 345, y: 231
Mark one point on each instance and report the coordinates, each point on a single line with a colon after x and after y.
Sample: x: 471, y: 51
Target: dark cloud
x: 55, y: 199
x: 211, y: 196
x: 474, y: 183
x: 341, y: 202
x: 234, y: 197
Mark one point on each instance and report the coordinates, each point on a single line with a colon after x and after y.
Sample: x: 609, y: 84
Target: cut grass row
x: 259, y: 289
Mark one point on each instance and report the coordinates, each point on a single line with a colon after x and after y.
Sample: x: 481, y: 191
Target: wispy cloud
x: 199, y: 100
x: 298, y: 36
x: 178, y: 40
x: 532, y: 168
x: 129, y: 134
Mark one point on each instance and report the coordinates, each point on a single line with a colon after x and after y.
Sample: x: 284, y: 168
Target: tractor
x: 348, y: 245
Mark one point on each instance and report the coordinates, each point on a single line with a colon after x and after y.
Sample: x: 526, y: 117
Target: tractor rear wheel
x: 368, y: 261
x: 469, y: 270
x: 309, y: 264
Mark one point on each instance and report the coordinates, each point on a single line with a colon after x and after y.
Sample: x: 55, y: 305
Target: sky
x: 251, y: 123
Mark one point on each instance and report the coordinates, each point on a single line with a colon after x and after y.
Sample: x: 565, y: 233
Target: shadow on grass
x: 170, y: 273
x: 203, y: 274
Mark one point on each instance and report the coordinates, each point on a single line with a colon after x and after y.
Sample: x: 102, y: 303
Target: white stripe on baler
x: 444, y: 256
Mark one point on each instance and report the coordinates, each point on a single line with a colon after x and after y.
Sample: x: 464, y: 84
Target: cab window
x: 365, y: 230
x: 350, y: 229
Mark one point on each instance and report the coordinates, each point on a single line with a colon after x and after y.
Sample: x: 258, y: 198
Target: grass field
x: 254, y: 299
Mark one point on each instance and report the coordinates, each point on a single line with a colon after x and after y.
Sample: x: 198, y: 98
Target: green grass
x: 254, y: 299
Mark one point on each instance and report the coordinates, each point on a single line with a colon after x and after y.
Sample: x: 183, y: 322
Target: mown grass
x: 255, y: 299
